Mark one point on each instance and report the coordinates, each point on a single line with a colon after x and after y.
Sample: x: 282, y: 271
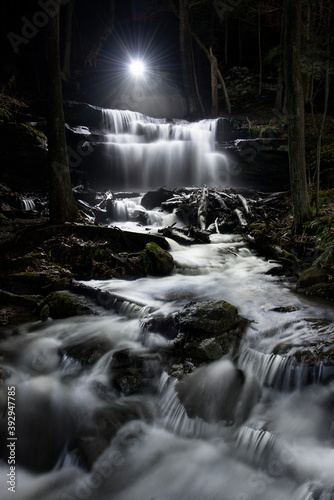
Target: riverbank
x: 38, y: 259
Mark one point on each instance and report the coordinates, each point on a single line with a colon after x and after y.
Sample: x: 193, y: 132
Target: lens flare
x: 137, y: 68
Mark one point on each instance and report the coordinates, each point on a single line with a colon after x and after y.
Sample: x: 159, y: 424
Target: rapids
x: 252, y: 427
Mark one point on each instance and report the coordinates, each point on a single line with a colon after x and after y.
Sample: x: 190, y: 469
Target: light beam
x: 137, y: 68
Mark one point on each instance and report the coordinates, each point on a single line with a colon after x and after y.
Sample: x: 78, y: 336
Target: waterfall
x: 147, y: 153
x: 27, y: 204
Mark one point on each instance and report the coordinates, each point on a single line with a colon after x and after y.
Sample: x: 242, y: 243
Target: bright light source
x: 137, y: 68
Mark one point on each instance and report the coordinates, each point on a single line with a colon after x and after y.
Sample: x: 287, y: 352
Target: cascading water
x: 147, y: 153
x: 98, y: 417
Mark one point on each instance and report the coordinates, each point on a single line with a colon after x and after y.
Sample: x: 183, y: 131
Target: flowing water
x: 147, y: 153
x: 251, y: 427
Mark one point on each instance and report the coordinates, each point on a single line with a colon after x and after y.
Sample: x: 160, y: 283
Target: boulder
x: 208, y: 319
x: 63, y: 304
x: 207, y: 330
x: 156, y: 261
x: 153, y: 199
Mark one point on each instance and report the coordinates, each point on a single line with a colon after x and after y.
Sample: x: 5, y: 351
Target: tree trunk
x: 207, y: 53
x: 280, y: 77
x: 259, y: 47
x: 295, y: 109
x: 68, y: 40
x: 220, y: 77
x: 62, y: 203
x: 226, y: 40
x: 186, y: 57
x: 323, y: 121
x: 214, y: 85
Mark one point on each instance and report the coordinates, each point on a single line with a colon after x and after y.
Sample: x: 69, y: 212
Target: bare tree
x: 296, y: 113
x: 68, y: 40
x: 62, y: 204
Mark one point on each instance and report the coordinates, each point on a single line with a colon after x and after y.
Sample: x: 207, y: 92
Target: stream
x: 255, y: 426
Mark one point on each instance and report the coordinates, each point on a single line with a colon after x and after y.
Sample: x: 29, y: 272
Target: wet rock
x: 285, y: 309
x: 208, y: 318
x: 156, y: 261
x: 153, y: 199
x: 312, y: 276
x: 166, y: 325
x: 128, y: 383
x: 316, y: 281
x: 212, y: 393
x: 206, y: 349
x: 87, y: 351
x: 45, y: 313
x: 4, y: 374
x: 208, y: 330
x: 41, y: 282
x: 63, y: 304
x: 132, y: 371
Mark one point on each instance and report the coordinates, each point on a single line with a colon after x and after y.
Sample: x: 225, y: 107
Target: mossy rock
x: 312, y: 276
x: 26, y: 301
x: 325, y: 290
x: 207, y: 319
x: 156, y: 261
x: 40, y: 282
x: 63, y: 304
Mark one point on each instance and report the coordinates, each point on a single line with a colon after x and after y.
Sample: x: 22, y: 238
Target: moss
x: 63, y: 304
x: 156, y: 261
x: 312, y: 276
x: 27, y: 301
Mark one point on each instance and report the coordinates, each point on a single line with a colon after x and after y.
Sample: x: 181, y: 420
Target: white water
x: 241, y: 440
x: 147, y: 153
x: 248, y: 428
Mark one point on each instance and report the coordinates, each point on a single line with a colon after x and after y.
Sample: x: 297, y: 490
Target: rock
x: 285, y: 309
x: 206, y: 349
x: 311, y: 276
x: 4, y: 374
x: 316, y: 281
x: 27, y: 301
x: 128, y: 383
x: 207, y: 319
x: 40, y: 282
x: 63, y: 304
x: 208, y: 330
x: 45, y: 313
x: 153, y: 199
x: 157, y: 261
x: 87, y: 351
x: 134, y: 371
x: 218, y: 385
x: 325, y: 290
